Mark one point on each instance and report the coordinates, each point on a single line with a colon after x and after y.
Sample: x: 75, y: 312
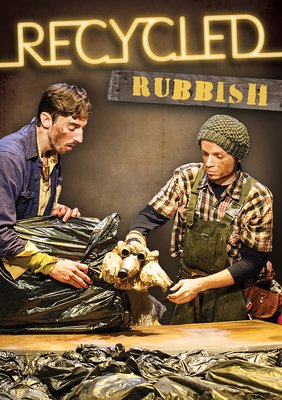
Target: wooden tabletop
x: 216, y: 337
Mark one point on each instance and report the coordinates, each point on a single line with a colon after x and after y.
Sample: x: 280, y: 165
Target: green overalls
x: 204, y: 254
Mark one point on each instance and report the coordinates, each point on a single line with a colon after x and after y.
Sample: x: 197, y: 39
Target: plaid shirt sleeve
x: 165, y: 201
x: 171, y: 202
x: 256, y: 219
x: 174, y: 194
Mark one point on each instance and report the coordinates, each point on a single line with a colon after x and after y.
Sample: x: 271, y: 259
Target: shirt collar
x: 233, y: 190
x: 52, y: 155
x: 32, y: 150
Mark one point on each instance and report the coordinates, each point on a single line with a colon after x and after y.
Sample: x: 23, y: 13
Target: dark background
x: 130, y: 150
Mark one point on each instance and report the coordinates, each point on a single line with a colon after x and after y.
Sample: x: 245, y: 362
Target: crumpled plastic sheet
x: 245, y: 374
x: 114, y: 373
x: 84, y: 239
x: 37, y: 303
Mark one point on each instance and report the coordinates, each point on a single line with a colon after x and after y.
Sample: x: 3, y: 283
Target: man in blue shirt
x: 30, y: 180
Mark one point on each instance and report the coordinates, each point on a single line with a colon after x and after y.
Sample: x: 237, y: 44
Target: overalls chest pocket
x: 24, y: 204
x: 205, y: 246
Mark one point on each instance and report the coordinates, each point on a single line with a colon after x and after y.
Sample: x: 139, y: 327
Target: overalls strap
x: 194, y: 197
x: 235, y: 205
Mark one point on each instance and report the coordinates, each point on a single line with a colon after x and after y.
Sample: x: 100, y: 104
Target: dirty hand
x: 63, y: 211
x: 186, y: 290
x: 71, y: 272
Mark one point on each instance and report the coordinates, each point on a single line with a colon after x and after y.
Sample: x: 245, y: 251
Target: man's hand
x: 186, y: 290
x: 71, y: 272
x: 63, y: 211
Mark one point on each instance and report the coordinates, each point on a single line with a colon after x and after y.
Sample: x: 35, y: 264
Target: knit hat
x: 228, y: 133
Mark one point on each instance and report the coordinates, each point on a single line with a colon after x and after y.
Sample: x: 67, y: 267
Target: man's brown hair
x: 62, y: 99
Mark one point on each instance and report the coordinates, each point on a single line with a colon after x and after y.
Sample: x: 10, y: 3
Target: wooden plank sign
x: 191, y: 89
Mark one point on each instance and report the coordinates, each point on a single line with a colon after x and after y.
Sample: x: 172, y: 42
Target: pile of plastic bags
x: 113, y: 373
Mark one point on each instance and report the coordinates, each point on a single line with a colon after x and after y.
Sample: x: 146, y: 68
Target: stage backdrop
x: 130, y: 149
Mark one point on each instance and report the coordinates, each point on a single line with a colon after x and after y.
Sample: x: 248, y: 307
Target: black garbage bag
x: 153, y: 365
x: 60, y: 372
x: 37, y: 303
x: 248, y: 375
x: 95, y: 355
x: 63, y: 372
x: 263, y: 357
x: 279, y: 359
x: 82, y: 239
x: 115, y: 387
x: 15, y: 381
x: 27, y: 389
x: 175, y: 387
x: 198, y: 362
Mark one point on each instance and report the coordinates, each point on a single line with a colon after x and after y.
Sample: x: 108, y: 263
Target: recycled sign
x: 192, y: 89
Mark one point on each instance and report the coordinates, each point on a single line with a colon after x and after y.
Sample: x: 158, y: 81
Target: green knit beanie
x: 228, y: 133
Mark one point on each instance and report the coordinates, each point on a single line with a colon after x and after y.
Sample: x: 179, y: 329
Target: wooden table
x: 216, y: 337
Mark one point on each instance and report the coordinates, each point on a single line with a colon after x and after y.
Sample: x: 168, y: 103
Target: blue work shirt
x: 20, y: 170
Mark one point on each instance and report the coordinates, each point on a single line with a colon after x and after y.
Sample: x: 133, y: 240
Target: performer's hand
x: 71, y: 272
x: 186, y: 290
x: 63, y: 211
